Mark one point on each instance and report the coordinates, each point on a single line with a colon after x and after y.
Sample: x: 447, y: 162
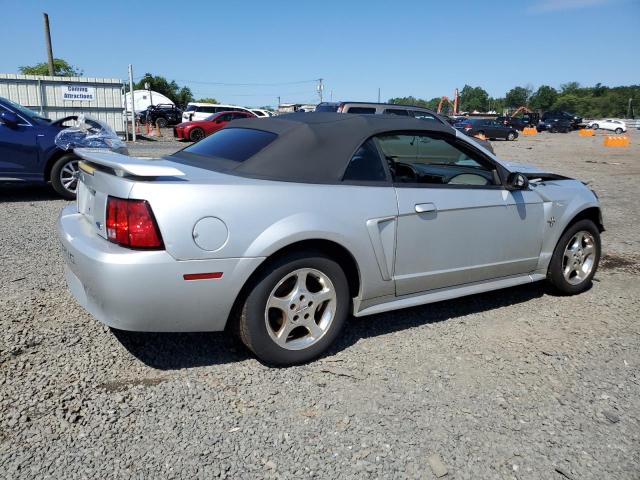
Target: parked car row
x: 491, y: 129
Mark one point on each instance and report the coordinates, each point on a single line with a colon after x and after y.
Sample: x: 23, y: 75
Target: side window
x: 362, y: 110
x: 433, y: 160
x: 422, y: 115
x: 365, y: 165
x: 396, y: 111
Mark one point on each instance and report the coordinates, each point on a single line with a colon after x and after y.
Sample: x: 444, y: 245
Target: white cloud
x: 545, y: 6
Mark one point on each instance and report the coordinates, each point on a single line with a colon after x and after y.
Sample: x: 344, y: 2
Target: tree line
x: 589, y: 102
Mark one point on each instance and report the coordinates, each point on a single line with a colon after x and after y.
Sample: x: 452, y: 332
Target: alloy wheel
x: 69, y: 176
x: 579, y: 257
x: 300, y: 309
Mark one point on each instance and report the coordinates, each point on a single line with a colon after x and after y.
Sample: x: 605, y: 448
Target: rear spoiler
x: 125, y: 165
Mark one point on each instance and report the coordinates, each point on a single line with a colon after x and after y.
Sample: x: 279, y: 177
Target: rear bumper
x: 145, y: 290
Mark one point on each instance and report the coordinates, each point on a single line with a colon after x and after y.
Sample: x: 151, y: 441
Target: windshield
x: 190, y: 108
x: 25, y: 112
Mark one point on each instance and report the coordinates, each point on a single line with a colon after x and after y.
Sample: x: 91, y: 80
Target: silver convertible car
x: 280, y: 228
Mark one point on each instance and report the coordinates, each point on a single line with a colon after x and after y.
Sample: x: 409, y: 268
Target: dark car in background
x: 28, y: 152
x: 161, y: 115
x: 487, y: 127
x: 556, y: 125
x: 574, y: 120
x: 519, y: 123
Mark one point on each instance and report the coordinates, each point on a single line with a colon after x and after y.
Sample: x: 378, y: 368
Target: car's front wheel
x: 196, y: 134
x: 64, y: 176
x: 618, y: 131
x: 511, y: 136
x: 294, y: 309
x: 575, y: 258
x: 161, y: 122
x: 595, y: 126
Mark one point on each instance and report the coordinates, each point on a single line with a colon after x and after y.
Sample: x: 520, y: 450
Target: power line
x: 247, y: 84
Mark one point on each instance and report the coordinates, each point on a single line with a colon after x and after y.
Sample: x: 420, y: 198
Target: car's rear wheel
x: 618, y: 130
x: 595, y: 126
x: 294, y: 309
x: 196, y: 134
x: 575, y: 258
x: 64, y: 176
x: 511, y: 136
x: 161, y: 122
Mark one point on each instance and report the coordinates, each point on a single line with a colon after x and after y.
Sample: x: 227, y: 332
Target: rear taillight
x: 131, y: 223
x: 468, y: 127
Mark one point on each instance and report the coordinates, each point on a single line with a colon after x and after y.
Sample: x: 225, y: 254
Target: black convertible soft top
x: 316, y: 147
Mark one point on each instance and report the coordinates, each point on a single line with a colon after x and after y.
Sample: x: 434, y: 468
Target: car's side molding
x: 448, y: 293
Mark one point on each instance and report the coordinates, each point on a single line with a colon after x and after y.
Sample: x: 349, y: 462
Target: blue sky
x: 419, y: 48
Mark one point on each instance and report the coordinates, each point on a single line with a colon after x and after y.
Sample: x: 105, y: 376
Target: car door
x: 457, y: 224
x: 19, y: 150
x: 497, y: 130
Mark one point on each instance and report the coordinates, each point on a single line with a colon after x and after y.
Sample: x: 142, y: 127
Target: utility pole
x: 320, y: 89
x: 378, y: 94
x: 47, y: 38
x: 133, y: 110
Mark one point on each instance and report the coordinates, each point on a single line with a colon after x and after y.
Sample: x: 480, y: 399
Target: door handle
x: 425, y: 207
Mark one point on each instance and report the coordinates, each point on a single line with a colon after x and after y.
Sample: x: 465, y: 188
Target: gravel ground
x: 514, y: 384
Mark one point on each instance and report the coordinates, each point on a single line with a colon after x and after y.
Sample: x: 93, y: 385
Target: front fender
x: 559, y: 214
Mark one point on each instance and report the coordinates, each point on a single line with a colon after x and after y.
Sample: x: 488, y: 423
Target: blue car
x: 28, y: 151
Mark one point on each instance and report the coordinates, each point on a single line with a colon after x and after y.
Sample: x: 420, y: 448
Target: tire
x: 575, y: 258
x: 618, y: 131
x: 511, y: 136
x: 161, y: 122
x: 196, y: 134
x: 64, y: 176
x: 595, y: 126
x: 272, y: 308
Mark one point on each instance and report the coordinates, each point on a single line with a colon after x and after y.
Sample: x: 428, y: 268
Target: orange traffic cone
x: 138, y: 132
x: 158, y: 130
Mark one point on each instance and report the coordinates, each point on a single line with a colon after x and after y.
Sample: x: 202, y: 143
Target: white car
x: 260, y: 113
x: 617, y: 126
x: 201, y: 111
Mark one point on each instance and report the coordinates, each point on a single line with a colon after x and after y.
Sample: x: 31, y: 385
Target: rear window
x: 327, y: 108
x: 235, y: 144
x: 396, y: 111
x: 362, y: 110
x: 422, y: 115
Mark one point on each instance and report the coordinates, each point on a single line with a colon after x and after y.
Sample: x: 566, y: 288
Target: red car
x: 199, y: 129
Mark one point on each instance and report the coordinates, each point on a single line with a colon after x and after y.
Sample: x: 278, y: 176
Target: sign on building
x: 80, y: 93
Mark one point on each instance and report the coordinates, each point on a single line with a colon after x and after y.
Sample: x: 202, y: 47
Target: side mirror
x: 10, y: 119
x: 517, y: 181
